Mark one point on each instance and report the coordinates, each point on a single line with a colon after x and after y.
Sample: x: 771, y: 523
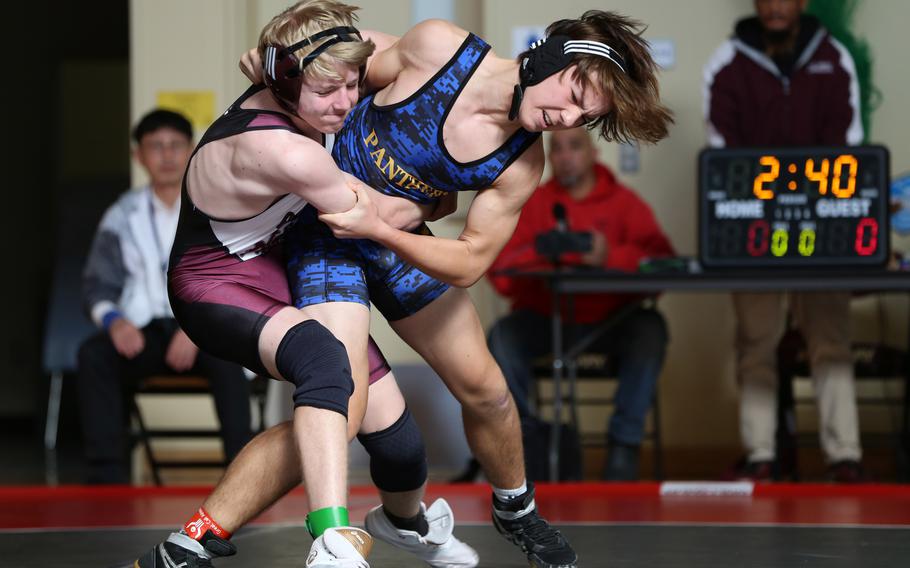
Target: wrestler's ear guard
x: 551, y: 55
x: 283, y: 71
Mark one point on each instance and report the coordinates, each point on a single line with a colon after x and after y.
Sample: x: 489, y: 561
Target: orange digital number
x: 820, y: 176
x: 758, y: 186
x: 836, y: 189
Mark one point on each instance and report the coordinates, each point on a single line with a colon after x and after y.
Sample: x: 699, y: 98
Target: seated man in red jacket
x: 624, y: 231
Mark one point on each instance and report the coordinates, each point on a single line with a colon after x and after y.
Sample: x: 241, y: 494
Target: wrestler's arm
x: 295, y: 164
x: 396, y: 211
x: 392, y: 54
x: 491, y: 220
x: 251, y: 63
x: 381, y: 65
x: 277, y: 162
x: 400, y: 212
x: 386, y: 62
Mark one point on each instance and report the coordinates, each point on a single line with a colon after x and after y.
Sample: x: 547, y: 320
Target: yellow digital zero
x: 779, y: 242
x: 807, y: 242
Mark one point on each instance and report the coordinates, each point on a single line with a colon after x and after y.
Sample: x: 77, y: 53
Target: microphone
x: 559, y: 213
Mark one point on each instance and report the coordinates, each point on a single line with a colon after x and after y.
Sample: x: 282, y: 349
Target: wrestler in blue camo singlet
x: 397, y: 149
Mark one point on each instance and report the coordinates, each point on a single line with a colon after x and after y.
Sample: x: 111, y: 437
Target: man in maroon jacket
x: 623, y: 231
x: 782, y: 80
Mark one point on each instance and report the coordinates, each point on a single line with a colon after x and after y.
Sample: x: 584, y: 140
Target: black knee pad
x: 311, y: 358
x: 398, y: 459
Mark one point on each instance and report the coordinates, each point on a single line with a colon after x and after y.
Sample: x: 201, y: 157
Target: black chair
x: 162, y: 385
x: 588, y: 367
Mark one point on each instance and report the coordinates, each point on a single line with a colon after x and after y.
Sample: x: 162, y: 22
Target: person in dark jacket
x: 624, y: 231
x: 783, y: 80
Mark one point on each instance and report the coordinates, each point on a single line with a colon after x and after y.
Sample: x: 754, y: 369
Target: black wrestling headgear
x: 283, y: 71
x: 551, y: 55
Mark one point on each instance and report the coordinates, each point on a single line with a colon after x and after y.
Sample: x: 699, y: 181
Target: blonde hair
x: 308, y: 17
x: 637, y: 114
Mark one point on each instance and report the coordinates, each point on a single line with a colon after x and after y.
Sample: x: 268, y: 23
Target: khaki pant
x: 824, y: 319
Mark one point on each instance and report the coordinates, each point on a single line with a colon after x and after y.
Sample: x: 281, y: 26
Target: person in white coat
x: 124, y: 290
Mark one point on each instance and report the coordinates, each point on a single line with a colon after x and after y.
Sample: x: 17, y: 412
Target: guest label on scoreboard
x: 793, y: 206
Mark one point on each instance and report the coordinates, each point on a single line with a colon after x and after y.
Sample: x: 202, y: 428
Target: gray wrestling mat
x: 598, y: 546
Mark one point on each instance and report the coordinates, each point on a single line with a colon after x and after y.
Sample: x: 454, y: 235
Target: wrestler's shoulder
x: 433, y: 41
x: 276, y: 137
x: 278, y: 151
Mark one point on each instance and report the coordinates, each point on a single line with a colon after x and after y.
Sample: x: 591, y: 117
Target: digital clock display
x: 793, y: 206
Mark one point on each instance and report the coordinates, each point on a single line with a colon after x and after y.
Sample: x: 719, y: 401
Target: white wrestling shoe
x: 439, y: 548
x: 345, y: 547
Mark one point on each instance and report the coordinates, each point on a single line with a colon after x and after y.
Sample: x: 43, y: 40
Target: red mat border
x: 91, y: 507
x: 551, y: 490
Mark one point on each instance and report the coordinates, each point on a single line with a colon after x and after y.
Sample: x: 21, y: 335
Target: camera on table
x: 561, y: 240
x: 556, y: 243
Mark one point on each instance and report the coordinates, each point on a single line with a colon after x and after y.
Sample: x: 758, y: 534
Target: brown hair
x: 637, y: 114
x: 308, y: 17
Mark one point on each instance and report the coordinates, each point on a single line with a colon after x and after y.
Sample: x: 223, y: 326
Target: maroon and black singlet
x: 227, y: 277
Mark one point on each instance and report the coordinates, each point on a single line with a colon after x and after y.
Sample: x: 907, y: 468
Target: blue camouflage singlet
x: 397, y: 149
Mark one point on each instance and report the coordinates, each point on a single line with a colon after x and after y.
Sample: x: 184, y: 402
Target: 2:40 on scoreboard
x: 794, y: 207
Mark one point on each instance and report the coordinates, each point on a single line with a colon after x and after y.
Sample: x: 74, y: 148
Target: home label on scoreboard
x: 762, y: 207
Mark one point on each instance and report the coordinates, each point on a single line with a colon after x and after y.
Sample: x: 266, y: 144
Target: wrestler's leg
x: 398, y: 468
x: 386, y: 406
x: 350, y: 323
x: 327, y: 284
x: 306, y: 354
x: 321, y: 430
x: 326, y: 274
x: 247, y: 488
x: 442, y: 325
x: 447, y: 333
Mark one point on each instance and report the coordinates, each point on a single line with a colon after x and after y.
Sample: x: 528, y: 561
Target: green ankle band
x: 318, y: 521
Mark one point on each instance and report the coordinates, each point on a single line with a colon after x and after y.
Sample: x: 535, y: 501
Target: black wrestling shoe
x: 544, y: 545
x: 181, y: 551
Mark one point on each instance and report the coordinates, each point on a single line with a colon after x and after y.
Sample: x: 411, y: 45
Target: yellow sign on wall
x: 197, y: 106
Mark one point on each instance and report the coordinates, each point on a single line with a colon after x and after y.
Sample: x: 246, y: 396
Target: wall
x: 880, y: 22
x: 185, y: 46
x: 64, y: 133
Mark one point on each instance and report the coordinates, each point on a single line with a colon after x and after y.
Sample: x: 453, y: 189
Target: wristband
x: 109, y: 318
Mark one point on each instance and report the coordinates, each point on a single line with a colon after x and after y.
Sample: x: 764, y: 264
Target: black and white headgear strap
x: 551, y: 55
x: 283, y: 71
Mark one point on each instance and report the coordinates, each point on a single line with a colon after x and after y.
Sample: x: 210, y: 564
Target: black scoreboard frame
x: 883, y: 216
